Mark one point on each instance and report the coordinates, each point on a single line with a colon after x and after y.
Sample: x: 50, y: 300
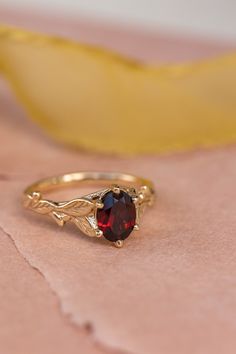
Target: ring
x: 113, y: 212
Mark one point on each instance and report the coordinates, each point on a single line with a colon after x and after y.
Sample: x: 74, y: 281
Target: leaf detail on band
x: 76, y: 207
x: 76, y: 210
x: 84, y: 225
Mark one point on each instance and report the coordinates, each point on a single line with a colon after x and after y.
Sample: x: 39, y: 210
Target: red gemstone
x: 117, y: 218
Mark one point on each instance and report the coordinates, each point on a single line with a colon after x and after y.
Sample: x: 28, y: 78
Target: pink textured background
x: 170, y: 290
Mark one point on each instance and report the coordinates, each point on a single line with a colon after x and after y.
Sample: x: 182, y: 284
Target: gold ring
x: 113, y: 212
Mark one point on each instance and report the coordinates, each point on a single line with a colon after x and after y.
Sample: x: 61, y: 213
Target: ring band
x: 113, y: 212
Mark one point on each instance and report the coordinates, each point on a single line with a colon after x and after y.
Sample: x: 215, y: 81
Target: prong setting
x: 135, y: 199
x: 99, y: 233
x: 115, y: 189
x: 99, y: 204
x: 119, y: 243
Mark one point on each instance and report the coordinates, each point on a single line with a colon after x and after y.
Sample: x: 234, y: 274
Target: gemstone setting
x: 117, y: 218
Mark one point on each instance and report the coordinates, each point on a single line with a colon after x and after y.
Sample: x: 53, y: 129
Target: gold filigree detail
x: 79, y: 211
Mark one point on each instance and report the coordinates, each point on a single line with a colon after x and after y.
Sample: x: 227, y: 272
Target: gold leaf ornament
x: 85, y: 225
x: 76, y: 207
x: 76, y: 211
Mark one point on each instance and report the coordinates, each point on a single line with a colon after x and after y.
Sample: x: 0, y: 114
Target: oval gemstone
x: 117, y: 218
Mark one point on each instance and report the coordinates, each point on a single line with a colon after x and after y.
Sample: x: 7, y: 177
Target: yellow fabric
x: 91, y: 98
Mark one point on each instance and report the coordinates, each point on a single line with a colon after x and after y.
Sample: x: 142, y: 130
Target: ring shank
x: 72, y: 179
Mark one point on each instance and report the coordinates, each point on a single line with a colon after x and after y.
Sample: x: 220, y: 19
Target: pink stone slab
x: 30, y: 320
x: 172, y: 288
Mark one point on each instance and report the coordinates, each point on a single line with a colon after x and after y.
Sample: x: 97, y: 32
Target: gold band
x: 72, y: 179
x: 132, y: 196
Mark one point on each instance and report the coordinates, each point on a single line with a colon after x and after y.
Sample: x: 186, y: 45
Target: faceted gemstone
x: 117, y: 218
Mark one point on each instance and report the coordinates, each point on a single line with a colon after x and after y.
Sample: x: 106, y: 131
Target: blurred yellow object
x: 91, y: 98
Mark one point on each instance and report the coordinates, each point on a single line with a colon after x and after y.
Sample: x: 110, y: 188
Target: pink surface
x: 170, y: 290
x: 30, y: 320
